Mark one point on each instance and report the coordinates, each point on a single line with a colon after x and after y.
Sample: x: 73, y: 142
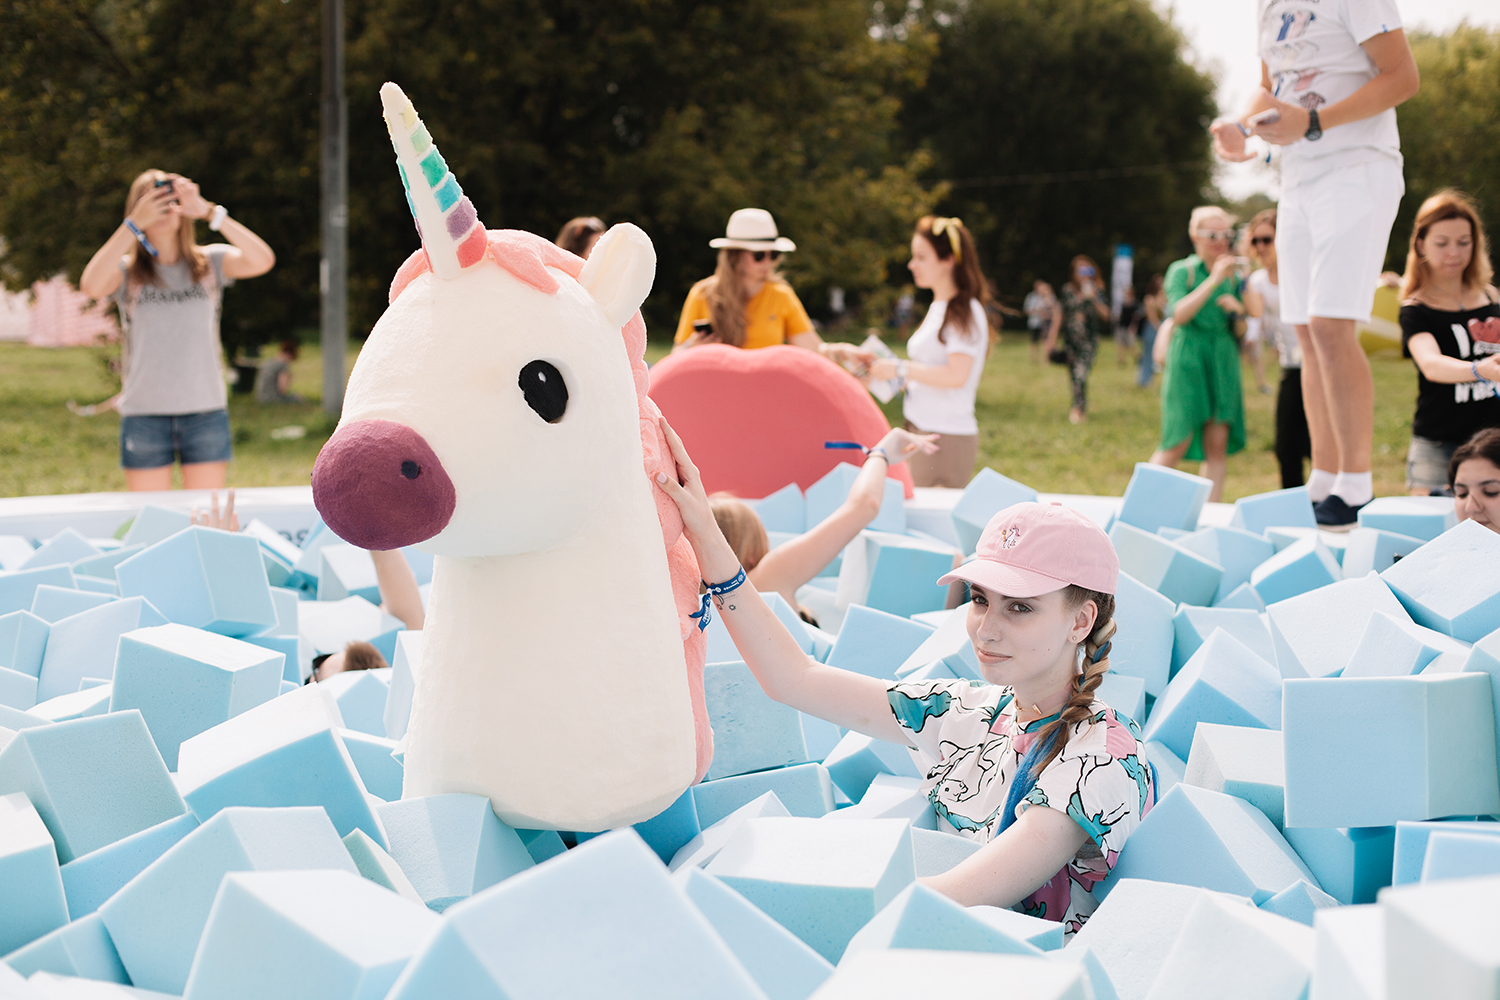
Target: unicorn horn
x: 450, y: 229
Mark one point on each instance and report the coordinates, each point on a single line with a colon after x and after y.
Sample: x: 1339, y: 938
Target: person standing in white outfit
x: 945, y: 354
x: 1332, y: 73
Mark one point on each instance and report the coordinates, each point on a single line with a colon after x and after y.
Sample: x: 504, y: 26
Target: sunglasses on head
x: 760, y: 255
x: 1262, y: 241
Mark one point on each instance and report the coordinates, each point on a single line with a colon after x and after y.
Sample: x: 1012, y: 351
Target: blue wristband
x: 716, y: 590
x: 141, y: 238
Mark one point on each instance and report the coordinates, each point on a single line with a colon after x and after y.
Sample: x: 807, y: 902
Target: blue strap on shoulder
x: 1024, y: 780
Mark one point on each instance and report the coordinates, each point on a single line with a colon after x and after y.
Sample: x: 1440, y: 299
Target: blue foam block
x: 93, y: 781
x: 63, y: 548
x: 1300, y: 567
x: 706, y: 845
x: 331, y: 625
x: 894, y: 573
x: 1352, y: 863
x: 285, y: 752
x: 379, y: 867
x: 1431, y: 755
x: 1170, y: 768
x: 1370, y: 550
x: 672, y: 829
x: 1235, y: 549
x: 875, y: 643
x: 1440, y: 938
x: 156, y: 920
x: 34, y: 899
x: 829, y: 493
x: 1240, y: 950
x: 987, y: 494
x: 17, y: 690
x: 819, y: 736
x: 203, y: 577
x: 319, y: 935
x: 82, y: 949
x: 1192, y: 625
x: 805, y: 790
x: 751, y: 732
x: 1410, y: 844
x: 347, y: 570
x: 542, y: 845
x: 1142, y: 646
x: 891, y: 797
x: 1223, y: 682
x: 154, y: 524
x: 90, y: 880
x: 52, y: 603
x: 923, y: 918
x: 91, y: 698
x: 1208, y: 839
x: 858, y: 759
x: 937, y: 851
x: 1315, y: 634
x: 96, y: 585
x: 103, y: 565
x: 821, y: 881
x: 18, y: 590
x: 405, y: 667
x: 23, y: 642
x: 1159, y: 497
x: 949, y: 645
x: 14, y: 550
x: 1243, y: 762
x: 1181, y: 576
x: 1484, y: 658
x: 781, y: 964
x: 1276, y: 509
x: 1299, y: 902
x: 361, y: 696
x: 1415, y: 517
x: 785, y: 510
x: 15, y: 720
x: 451, y: 846
x: 1125, y: 694
x: 721, y: 648
x: 1450, y: 584
x: 381, y: 773
x: 186, y: 680
x: 84, y: 645
x: 603, y: 920
x: 1398, y: 647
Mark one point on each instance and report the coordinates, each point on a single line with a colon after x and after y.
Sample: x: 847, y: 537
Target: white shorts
x: 1331, y: 236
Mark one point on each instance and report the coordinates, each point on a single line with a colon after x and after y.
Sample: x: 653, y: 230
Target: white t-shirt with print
x: 946, y: 411
x: 1311, y: 49
x: 1271, y: 327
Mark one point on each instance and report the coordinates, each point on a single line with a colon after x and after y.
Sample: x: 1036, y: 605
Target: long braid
x: 1079, y: 708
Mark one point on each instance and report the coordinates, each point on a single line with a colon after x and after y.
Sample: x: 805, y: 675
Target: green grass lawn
x: 1023, y: 415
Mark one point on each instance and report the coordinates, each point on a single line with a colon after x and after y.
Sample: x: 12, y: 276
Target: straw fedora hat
x: 752, y: 229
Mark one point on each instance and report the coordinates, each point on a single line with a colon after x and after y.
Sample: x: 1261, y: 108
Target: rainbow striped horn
x: 450, y: 229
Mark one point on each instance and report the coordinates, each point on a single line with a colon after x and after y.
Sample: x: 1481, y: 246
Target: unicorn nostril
x: 410, y: 469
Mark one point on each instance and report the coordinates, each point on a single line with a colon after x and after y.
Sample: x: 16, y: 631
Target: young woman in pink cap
x: 1035, y: 735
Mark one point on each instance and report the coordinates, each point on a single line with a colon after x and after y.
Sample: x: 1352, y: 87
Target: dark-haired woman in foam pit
x: 1048, y: 778
x: 1474, y: 478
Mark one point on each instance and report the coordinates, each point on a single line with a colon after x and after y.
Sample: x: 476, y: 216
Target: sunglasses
x: 760, y: 255
x: 1262, y: 241
x: 1216, y: 234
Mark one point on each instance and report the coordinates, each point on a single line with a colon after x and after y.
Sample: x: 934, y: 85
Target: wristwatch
x: 1314, y: 130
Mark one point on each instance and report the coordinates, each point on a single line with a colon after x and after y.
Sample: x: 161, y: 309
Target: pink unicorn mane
x: 527, y: 257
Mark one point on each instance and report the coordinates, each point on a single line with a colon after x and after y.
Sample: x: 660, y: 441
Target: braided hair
x: 1079, y: 708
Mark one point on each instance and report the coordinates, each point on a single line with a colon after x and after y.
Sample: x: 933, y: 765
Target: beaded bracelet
x: 717, y: 592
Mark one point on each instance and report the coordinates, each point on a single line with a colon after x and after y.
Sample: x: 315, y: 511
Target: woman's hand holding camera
x: 191, y: 202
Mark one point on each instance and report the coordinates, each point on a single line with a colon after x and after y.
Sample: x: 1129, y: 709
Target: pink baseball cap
x: 1030, y: 549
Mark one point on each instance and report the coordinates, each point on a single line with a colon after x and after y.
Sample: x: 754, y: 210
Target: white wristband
x: 217, y: 216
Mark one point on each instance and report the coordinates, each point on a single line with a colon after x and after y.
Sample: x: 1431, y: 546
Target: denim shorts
x: 1427, y: 463
x: 150, y: 442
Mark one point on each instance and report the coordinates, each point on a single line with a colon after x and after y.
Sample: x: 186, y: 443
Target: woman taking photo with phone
x: 1081, y: 317
x: 168, y: 291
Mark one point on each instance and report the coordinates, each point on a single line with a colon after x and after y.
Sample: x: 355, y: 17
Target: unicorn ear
x: 619, y: 271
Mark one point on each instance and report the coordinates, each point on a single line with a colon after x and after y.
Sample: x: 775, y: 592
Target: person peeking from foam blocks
x: 1041, y: 620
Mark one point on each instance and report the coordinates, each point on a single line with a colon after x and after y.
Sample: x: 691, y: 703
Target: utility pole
x: 333, y: 271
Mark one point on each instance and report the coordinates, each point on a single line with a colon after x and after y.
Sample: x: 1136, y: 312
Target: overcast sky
x: 1222, y: 36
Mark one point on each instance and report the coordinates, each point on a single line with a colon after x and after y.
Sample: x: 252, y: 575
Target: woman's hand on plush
x: 901, y: 444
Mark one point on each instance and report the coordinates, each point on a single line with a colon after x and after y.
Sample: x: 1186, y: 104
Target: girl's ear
x: 1084, y: 618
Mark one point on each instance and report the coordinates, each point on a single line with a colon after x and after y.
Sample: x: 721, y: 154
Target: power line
x: 1103, y: 174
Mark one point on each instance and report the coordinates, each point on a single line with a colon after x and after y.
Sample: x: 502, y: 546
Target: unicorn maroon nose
x: 379, y: 485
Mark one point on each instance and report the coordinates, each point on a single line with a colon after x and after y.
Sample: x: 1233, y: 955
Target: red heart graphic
x: 1487, y: 330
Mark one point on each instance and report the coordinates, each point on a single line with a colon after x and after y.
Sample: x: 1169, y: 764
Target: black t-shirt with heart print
x: 1445, y: 412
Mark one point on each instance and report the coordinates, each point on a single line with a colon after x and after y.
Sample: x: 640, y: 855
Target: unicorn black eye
x: 545, y: 390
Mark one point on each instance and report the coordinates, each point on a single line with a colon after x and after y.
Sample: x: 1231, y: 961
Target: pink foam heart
x: 1487, y: 330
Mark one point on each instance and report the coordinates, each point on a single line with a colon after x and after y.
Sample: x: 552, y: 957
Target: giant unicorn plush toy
x: 498, y: 418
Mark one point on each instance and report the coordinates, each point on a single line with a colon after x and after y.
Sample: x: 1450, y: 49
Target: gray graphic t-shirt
x: 172, y: 357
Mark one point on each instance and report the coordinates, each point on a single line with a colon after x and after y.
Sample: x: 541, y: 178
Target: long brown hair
x: 727, y: 297
x: 968, y: 279
x: 1079, y: 708
x: 575, y: 234
x: 742, y: 528
x: 142, y: 270
x: 1448, y: 203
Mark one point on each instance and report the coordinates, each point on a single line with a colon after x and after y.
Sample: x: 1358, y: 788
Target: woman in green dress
x: 1202, y: 405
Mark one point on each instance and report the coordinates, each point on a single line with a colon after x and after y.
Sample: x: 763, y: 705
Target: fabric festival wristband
x: 141, y: 238
x: 1474, y: 367
x: 712, y: 590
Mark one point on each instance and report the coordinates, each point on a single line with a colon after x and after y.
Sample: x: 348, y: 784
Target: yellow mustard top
x: 772, y: 317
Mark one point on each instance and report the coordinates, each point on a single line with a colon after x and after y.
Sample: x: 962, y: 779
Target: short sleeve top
x: 935, y: 409
x: 1451, y: 413
x: 1187, y: 274
x: 969, y: 745
x: 1272, y: 328
x: 774, y: 316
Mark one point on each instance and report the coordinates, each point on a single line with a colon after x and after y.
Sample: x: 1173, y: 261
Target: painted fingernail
x: 661, y: 477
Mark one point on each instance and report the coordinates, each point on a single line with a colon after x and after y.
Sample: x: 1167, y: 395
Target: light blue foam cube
x: 829, y: 493
x: 721, y: 648
x: 785, y: 510
x: 923, y: 918
x: 987, y: 494
x: 34, y: 899
x: 103, y: 565
x: 1167, y: 767
x: 14, y: 720
x: 285, y: 752
x: 381, y: 773
x: 91, y: 699
x: 1179, y: 575
x: 1315, y: 634
x: 81, y: 949
x: 23, y: 642
x: 1410, y: 847
x: 379, y: 867
x: 84, y: 645
x: 875, y: 643
x: 1235, y: 549
x: 805, y: 790
x: 361, y: 696
x: 154, y: 524
x: 157, y: 919
x: 18, y: 589
x: 93, y: 781
x: 1242, y: 950
x: 949, y: 645
x: 331, y: 625
x: 1370, y: 550
x: 14, y: 550
x: 781, y: 964
x: 90, y: 880
x: 279, y: 553
x: 1240, y: 761
x: 1300, y: 567
x: 1192, y: 625
x: 1223, y: 682
x: 1431, y: 755
x: 603, y: 920
x: 405, y: 668
x: 1352, y: 863
x: 53, y: 603
x: 858, y: 759
x: 62, y: 549
x: 821, y: 881
x: 1484, y: 659
x: 451, y: 846
x: 894, y: 573
x: 711, y: 839
x: 938, y: 851
x: 316, y: 935
x: 1125, y: 694
x: 1243, y: 596
x: 1440, y: 938
x: 1450, y: 584
x: 891, y: 797
x: 1398, y: 647
x: 751, y: 732
x: 203, y: 577
x: 345, y: 571
x: 1194, y: 836
x: 186, y: 680
x: 1142, y: 646
x: 1416, y: 517
x: 17, y: 690
x: 1299, y: 902
x: 1159, y: 497
x: 670, y: 830
x: 1279, y: 508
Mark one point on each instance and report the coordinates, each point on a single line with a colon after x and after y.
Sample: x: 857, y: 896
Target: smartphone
x: 168, y: 184
x: 1265, y: 117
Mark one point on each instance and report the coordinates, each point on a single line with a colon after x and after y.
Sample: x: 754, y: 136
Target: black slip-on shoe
x: 1334, y: 514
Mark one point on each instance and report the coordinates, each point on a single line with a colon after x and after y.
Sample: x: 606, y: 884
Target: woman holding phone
x: 1081, y: 317
x: 168, y: 291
